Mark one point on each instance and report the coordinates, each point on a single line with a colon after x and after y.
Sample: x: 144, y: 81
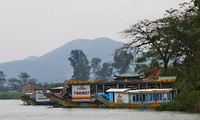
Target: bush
x: 10, y: 95
x: 189, y: 102
x: 169, y: 72
x: 171, y: 106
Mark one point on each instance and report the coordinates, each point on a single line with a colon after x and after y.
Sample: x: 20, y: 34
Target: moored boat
x: 37, y: 97
x: 75, y: 96
x: 68, y: 103
x: 27, y: 99
x: 139, y: 99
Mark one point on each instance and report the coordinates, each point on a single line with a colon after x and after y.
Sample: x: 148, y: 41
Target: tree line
x: 15, y: 84
x: 83, y: 69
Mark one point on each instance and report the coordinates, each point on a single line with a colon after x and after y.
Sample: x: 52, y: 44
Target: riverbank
x: 179, y: 106
x: 10, y: 95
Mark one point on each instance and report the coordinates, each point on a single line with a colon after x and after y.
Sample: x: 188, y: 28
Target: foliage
x: 23, y: 77
x: 48, y: 85
x: 170, y: 37
x: 96, y: 67
x: 188, y: 81
x: 101, y: 72
x: 105, y: 72
x: 14, y: 84
x: 2, y: 77
x: 4, y: 88
x: 169, y: 72
x: 122, y: 60
x: 148, y: 60
x: 171, y: 106
x: 139, y: 68
x: 80, y: 65
x: 10, y: 95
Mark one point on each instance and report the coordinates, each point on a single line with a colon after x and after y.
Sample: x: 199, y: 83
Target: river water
x: 15, y: 110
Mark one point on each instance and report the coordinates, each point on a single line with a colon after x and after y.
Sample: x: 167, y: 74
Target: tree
x: 187, y: 34
x: 96, y: 67
x: 101, y: 72
x: 164, y: 35
x: 122, y: 60
x: 106, y: 71
x: 23, y: 77
x: 14, y: 84
x: 197, y: 3
x: 2, y: 81
x: 146, y: 58
x: 154, y: 35
x: 2, y: 77
x: 80, y: 64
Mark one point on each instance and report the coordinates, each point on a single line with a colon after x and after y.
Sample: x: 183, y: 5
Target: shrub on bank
x: 189, y: 102
x: 10, y: 95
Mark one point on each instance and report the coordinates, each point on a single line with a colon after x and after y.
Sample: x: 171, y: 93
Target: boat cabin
x: 127, y: 95
x: 117, y: 95
x: 151, y: 95
x: 39, y: 95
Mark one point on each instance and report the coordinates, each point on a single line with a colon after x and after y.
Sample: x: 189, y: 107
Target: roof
x: 118, y: 90
x: 166, y: 77
x: 57, y: 88
x: 71, y: 82
x: 42, y: 88
x: 130, y: 75
x: 150, y: 90
x: 79, y: 82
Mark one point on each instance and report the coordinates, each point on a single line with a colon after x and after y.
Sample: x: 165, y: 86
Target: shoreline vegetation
x: 10, y: 95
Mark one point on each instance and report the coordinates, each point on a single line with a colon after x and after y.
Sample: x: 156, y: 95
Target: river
x: 15, y: 110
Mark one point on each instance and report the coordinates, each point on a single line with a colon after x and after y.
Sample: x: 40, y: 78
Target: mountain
x: 55, y: 66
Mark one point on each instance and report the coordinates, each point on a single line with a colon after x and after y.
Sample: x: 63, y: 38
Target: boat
x: 27, y: 99
x: 37, y: 97
x: 69, y: 103
x: 84, y: 93
x: 78, y: 96
x: 138, y: 99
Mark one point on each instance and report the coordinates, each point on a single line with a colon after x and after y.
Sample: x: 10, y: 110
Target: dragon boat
x: 136, y: 99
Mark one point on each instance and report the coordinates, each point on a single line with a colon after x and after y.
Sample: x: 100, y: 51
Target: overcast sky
x: 35, y: 27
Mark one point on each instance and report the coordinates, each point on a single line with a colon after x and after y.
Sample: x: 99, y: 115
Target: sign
x: 40, y: 97
x: 80, y: 92
x: 121, y: 98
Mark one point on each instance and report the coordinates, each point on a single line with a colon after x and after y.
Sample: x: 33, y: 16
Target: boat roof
x: 57, y: 88
x: 129, y: 75
x: 150, y: 90
x: 76, y: 82
x: 117, y: 90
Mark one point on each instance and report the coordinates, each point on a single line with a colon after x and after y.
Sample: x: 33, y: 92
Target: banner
x: 80, y: 92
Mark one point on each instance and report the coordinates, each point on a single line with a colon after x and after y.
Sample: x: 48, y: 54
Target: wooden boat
x: 37, y: 97
x: 139, y: 99
x: 27, y: 99
x: 68, y: 103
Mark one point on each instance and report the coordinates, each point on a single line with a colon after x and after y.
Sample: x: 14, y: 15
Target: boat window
x: 135, y: 97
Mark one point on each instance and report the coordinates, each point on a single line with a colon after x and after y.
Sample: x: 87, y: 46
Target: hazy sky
x: 35, y: 27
